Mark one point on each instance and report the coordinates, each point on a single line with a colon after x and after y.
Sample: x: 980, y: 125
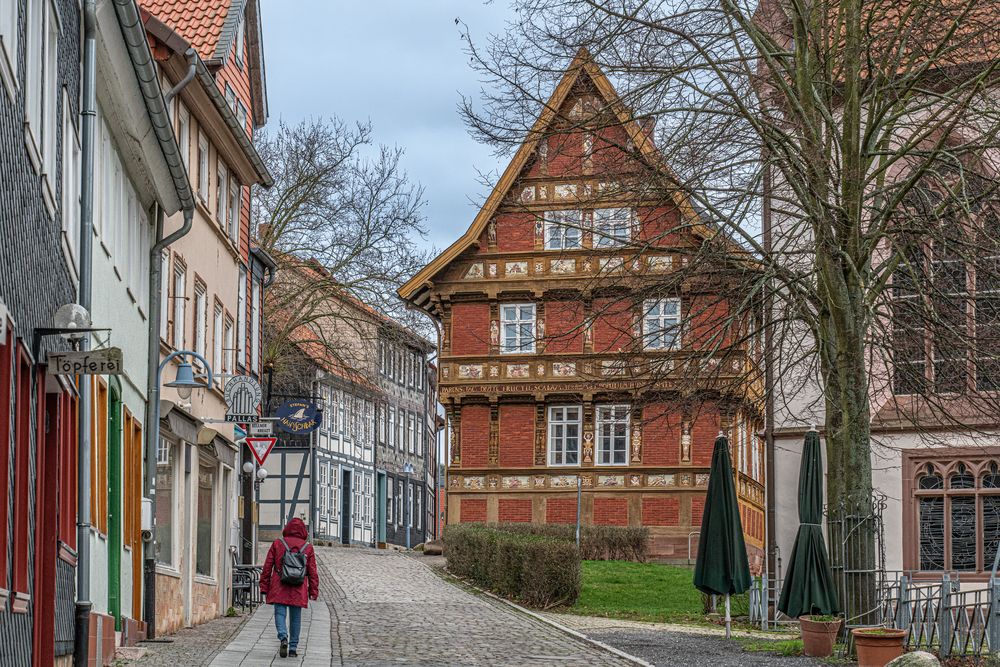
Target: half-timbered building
x: 574, y: 347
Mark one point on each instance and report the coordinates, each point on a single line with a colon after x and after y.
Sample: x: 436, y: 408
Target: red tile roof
x: 198, y: 21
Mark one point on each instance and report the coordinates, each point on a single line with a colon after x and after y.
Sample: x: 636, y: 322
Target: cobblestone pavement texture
x: 679, y: 645
x: 191, y: 646
x: 391, y: 609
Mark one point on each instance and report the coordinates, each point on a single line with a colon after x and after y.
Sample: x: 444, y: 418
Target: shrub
x: 596, y: 542
x: 538, y: 570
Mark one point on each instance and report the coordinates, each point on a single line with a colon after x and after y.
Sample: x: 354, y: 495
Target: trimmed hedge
x: 538, y: 570
x: 596, y: 542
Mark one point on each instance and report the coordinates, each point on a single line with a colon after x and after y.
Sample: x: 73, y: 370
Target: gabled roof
x: 210, y: 27
x: 413, y: 291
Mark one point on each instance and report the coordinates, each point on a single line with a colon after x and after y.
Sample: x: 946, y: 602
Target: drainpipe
x: 152, y: 433
x: 192, y: 58
x: 81, y: 645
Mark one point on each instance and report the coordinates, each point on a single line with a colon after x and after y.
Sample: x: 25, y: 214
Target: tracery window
x: 957, y: 514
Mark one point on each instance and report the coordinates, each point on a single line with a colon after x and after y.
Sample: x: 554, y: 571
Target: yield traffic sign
x: 261, y: 447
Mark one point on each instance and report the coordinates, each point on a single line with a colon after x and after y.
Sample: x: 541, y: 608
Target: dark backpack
x: 294, y: 565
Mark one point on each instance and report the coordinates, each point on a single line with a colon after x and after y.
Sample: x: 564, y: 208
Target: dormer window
x: 240, y: 42
x: 563, y: 230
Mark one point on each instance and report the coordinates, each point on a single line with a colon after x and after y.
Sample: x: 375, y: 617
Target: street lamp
x: 408, y: 470
x: 184, y: 381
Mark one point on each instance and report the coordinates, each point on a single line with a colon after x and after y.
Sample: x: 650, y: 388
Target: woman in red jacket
x: 289, y: 600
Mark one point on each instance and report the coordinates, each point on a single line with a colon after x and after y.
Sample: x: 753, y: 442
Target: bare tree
x: 863, y: 133
x: 343, y: 221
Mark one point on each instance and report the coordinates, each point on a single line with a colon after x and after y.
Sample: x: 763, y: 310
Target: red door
x: 50, y: 428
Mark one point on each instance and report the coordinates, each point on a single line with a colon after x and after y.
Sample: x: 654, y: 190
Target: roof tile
x: 198, y: 21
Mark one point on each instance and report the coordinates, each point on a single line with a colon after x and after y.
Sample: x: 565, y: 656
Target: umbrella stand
x: 729, y: 620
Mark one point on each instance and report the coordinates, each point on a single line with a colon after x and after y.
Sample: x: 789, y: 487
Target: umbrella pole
x: 728, y: 619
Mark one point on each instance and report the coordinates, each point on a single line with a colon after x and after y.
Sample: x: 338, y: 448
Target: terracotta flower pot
x: 877, y: 647
x: 818, y: 637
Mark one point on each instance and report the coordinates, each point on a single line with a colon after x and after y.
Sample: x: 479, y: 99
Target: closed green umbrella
x: 722, y: 567
x: 809, y: 587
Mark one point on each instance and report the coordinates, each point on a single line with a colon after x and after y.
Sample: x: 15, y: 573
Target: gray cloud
x: 400, y: 64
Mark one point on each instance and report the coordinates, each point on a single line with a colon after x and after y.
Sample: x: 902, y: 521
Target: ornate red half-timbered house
x: 569, y: 334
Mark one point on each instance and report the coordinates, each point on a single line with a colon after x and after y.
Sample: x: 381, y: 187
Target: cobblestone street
x: 391, y: 609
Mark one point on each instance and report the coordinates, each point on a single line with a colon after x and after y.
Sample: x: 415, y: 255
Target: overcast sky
x: 400, y: 64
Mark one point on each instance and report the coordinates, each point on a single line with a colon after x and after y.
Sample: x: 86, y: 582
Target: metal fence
x: 938, y: 615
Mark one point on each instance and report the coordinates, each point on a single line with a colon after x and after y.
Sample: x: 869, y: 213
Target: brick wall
x: 560, y: 510
x: 657, y: 226
x: 610, y: 511
x: 613, y: 325
x: 661, y: 436
x: 515, y: 231
x: 661, y: 511
x: 697, y: 509
x: 473, y: 510
x: 517, y: 434
x: 709, y: 327
x: 704, y: 431
x: 607, y: 155
x: 517, y: 510
x: 565, y: 153
x: 475, y: 436
x: 564, y: 326
x: 470, y: 328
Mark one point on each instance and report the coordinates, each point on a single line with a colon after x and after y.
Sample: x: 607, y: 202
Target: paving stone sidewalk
x: 257, y: 643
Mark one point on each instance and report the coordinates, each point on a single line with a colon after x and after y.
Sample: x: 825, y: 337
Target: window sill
x: 206, y: 580
x: 48, y: 195
x: 167, y: 571
x: 7, y: 72
x: 32, y: 145
x: 19, y: 604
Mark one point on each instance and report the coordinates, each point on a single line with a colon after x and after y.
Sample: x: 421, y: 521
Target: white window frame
x: 255, y: 327
x: 50, y: 103
x: 165, y: 445
x: 9, y: 34
x: 34, y: 84
x: 203, y: 175
x: 563, y: 444
x: 218, y: 351
x: 235, y: 204
x: 517, y: 328
x: 222, y: 194
x: 184, y: 132
x: 166, y: 277
x: 608, y: 418
x: 70, y: 179
x: 239, y: 42
x: 241, y: 320
x: 390, y: 487
x: 613, y: 227
x: 411, y: 432
x: 200, y: 319
x: 564, y: 229
x: 229, y: 351
x: 179, y: 279
x: 661, y: 324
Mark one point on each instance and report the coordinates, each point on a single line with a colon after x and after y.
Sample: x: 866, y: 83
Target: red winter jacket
x: 271, y: 585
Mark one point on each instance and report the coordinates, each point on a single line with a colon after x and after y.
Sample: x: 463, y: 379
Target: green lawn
x: 639, y: 591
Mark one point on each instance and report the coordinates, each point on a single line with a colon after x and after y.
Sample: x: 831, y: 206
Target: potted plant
x: 819, y: 634
x: 878, y: 647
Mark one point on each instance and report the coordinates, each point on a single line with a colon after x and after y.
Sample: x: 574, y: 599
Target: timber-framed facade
x: 575, y: 346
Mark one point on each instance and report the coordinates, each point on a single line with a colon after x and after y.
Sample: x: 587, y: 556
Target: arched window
x: 957, y: 514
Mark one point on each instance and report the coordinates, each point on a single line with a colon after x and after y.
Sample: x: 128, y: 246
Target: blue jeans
x: 295, y: 618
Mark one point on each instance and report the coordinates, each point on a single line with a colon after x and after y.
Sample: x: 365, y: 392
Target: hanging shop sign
x: 91, y: 362
x: 261, y: 447
x: 299, y: 417
x: 243, y: 396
